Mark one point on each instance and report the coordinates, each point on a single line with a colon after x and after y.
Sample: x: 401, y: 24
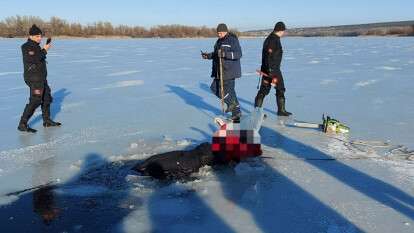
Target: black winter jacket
x: 272, y: 55
x: 34, y: 61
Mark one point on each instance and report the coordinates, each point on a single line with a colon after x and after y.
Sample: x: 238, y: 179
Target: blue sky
x: 241, y: 14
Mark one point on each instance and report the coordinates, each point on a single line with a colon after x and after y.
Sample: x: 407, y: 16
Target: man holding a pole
x: 225, y: 70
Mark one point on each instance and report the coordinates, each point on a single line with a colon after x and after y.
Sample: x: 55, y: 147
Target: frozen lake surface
x: 121, y: 101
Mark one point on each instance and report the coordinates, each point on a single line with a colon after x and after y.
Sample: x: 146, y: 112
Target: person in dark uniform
x: 35, y: 73
x: 271, y: 59
x: 228, y: 50
x: 179, y: 165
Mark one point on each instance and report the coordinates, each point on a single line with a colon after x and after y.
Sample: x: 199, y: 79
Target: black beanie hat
x: 34, y: 30
x: 222, y: 28
x: 280, y: 26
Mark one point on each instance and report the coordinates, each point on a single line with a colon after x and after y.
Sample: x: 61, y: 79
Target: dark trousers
x: 40, y: 95
x: 230, y: 97
x: 265, y: 87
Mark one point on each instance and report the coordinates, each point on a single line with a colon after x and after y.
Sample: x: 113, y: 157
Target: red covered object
x: 233, y: 144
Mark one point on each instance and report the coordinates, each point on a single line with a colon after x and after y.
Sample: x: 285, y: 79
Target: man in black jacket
x: 227, y: 50
x: 271, y: 58
x: 35, y: 73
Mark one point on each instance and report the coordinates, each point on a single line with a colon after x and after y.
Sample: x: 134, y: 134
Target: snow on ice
x: 154, y: 98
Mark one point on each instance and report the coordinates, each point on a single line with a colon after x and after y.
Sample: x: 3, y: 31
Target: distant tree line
x: 380, y: 29
x: 18, y: 26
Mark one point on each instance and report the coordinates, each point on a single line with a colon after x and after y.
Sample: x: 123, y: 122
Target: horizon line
x: 237, y: 28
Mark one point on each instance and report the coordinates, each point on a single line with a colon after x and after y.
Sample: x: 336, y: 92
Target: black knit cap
x: 34, y: 30
x: 222, y: 28
x: 280, y: 26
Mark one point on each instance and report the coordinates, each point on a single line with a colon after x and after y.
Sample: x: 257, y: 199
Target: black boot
x: 236, y: 114
x: 236, y: 117
x: 258, y: 101
x: 47, y: 122
x: 50, y: 123
x: 231, y: 107
x: 24, y: 127
x: 234, y: 108
x: 27, y: 113
x: 281, y: 111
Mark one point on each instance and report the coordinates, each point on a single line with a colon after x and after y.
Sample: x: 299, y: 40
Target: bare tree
x: 57, y: 26
x: 18, y: 26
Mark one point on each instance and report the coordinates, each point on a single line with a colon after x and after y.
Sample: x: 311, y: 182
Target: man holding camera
x: 35, y: 73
